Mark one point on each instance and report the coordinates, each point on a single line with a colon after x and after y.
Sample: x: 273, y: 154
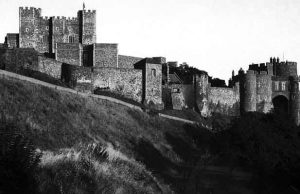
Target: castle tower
x: 249, y: 91
x: 295, y: 100
x: 263, y: 92
x: 201, y: 88
x: 28, y: 26
x: 87, y: 26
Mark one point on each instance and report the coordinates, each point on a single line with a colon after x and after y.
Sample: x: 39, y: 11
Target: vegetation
x: 91, y: 145
x: 186, y: 72
x: 18, y: 161
x: 269, y: 146
x: 216, y: 82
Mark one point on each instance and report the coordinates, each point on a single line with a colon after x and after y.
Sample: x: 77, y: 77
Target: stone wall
x: 12, y: 40
x: 166, y: 97
x: 17, y: 59
x: 42, y: 33
x: 78, y: 77
x: 188, y: 95
x: 49, y: 66
x: 153, y: 84
x: 62, y: 29
x: 201, y: 95
x: 224, y: 100
x: 126, y: 82
x: 69, y: 53
x: 264, y: 92
x: 286, y: 69
x: 127, y: 61
x: 28, y: 29
x: 88, y: 26
x: 177, y: 100
x: 106, y: 55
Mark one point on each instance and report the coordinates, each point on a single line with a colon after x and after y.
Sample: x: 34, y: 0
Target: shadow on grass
x: 152, y: 157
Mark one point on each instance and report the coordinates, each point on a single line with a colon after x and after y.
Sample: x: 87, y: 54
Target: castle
x: 66, y: 49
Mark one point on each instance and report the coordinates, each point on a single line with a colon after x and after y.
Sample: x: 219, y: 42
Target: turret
x: 87, y: 26
x: 263, y: 92
x: 28, y: 19
x: 201, y: 88
x: 249, y: 91
x: 294, y: 100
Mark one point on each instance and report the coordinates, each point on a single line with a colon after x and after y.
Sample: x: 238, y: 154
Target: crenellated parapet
x: 30, y: 12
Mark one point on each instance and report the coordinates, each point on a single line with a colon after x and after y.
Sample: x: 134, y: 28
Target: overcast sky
x: 217, y: 36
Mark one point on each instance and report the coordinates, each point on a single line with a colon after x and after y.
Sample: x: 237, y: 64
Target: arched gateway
x: 281, y: 105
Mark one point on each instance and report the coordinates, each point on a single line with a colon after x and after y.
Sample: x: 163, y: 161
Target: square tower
x: 87, y: 26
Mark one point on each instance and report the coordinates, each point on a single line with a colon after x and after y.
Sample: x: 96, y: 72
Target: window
x: 45, y: 39
x: 176, y: 90
x: 153, y: 72
x: 276, y: 85
x: 283, y: 86
x: 258, y: 84
x: 71, y: 39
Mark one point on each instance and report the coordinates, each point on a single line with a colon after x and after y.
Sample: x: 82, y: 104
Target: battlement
x: 251, y: 72
x: 89, y: 11
x: 63, y: 18
x: 105, y: 45
x: 289, y: 63
x: 30, y: 8
x: 30, y: 11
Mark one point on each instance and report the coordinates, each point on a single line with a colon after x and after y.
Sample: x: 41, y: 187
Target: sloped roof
x: 174, y: 78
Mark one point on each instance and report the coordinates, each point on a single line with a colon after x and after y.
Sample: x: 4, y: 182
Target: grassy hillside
x: 58, y: 121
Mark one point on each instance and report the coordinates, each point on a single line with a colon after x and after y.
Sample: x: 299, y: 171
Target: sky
x: 217, y: 36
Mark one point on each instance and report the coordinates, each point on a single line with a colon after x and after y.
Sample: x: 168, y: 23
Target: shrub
x: 18, y: 161
x: 267, y: 144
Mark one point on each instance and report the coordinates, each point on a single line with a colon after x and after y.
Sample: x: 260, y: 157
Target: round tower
x: 201, y: 94
x: 263, y: 92
x: 295, y: 101
x: 249, y: 91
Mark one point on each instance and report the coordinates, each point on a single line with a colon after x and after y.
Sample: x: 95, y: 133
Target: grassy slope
x: 57, y: 120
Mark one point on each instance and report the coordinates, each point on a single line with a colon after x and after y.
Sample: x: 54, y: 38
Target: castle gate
x: 281, y: 105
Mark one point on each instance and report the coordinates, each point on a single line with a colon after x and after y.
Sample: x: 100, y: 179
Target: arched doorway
x: 281, y: 105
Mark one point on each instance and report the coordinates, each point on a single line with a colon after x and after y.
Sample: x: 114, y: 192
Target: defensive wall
x: 106, y: 55
x: 142, y: 84
x: 127, y: 61
x: 70, y: 53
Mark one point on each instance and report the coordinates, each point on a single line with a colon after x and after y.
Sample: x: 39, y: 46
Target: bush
x: 267, y: 144
x: 18, y: 161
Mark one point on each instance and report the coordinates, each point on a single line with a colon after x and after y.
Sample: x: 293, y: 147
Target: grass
x: 57, y: 120
x: 92, y: 170
x: 145, y: 153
